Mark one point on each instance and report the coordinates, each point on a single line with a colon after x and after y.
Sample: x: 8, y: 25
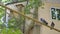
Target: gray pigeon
x: 52, y: 25
x: 44, y: 21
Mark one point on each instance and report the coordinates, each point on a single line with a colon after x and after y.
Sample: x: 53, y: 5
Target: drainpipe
x: 7, y: 17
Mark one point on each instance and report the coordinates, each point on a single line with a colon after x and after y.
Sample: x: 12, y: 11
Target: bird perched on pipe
x: 43, y: 20
x: 52, y: 25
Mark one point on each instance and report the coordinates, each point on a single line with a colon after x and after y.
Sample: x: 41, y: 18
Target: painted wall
x: 45, y: 13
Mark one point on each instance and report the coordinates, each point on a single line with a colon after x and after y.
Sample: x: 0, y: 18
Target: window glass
x: 55, y: 13
x: 58, y: 14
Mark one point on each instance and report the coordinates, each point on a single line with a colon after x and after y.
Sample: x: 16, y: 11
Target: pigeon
x: 52, y: 25
x: 42, y: 20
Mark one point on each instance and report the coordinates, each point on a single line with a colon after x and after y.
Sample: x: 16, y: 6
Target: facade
x: 45, y: 12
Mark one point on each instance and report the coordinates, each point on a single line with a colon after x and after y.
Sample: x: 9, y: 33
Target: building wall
x: 44, y: 12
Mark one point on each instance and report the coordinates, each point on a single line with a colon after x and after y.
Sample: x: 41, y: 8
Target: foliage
x: 10, y: 31
x: 1, y: 13
x: 35, y: 3
x: 32, y: 4
x: 12, y: 23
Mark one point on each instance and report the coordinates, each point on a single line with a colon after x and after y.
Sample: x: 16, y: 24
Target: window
x: 55, y: 13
